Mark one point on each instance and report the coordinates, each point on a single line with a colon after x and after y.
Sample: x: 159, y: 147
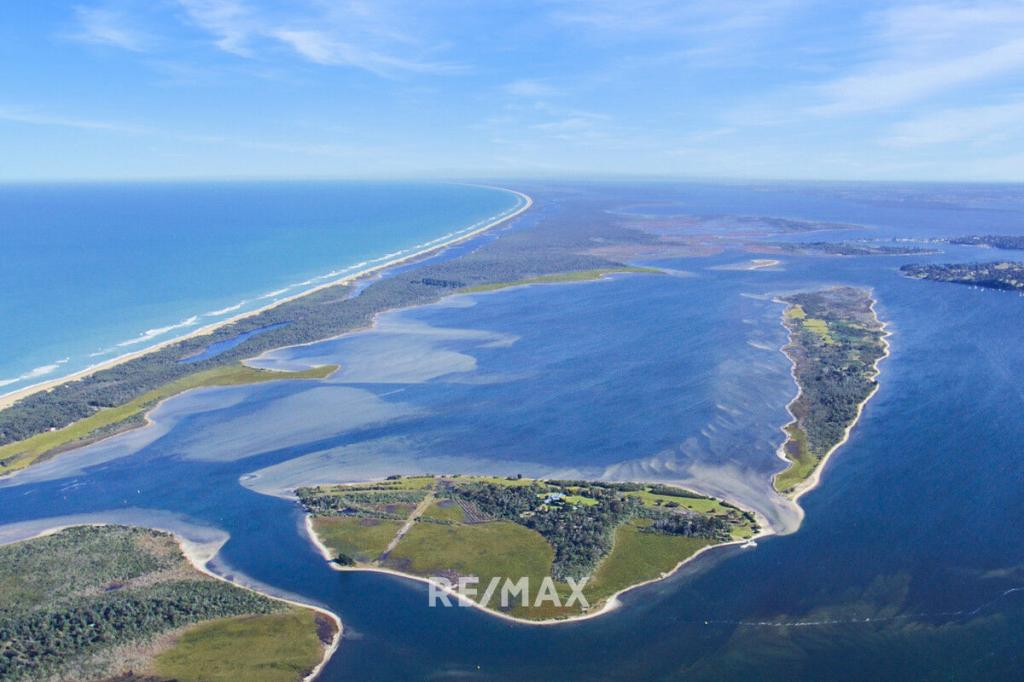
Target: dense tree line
x: 36, y: 643
x: 67, y: 598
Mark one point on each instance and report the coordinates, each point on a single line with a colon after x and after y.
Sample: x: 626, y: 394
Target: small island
x: 849, y: 248
x: 594, y: 538
x: 1006, y: 242
x: 1002, y: 275
x: 97, y: 602
x: 835, y: 343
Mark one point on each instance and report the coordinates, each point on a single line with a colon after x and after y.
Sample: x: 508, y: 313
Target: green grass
x: 819, y: 327
x: 801, y: 461
x: 705, y: 506
x: 23, y: 453
x: 637, y: 556
x: 486, y: 550
x: 561, y: 277
x: 281, y: 647
x: 451, y: 512
x: 363, y: 539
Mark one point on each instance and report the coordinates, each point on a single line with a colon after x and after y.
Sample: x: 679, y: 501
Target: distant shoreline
x: 8, y: 399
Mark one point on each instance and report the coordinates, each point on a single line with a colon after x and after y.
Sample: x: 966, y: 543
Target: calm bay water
x: 906, y: 566
x: 92, y: 271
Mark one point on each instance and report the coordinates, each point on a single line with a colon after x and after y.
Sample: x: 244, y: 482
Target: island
x: 850, y: 248
x: 1007, y: 242
x: 835, y: 344
x: 577, y: 543
x: 1003, y: 275
x: 93, y: 602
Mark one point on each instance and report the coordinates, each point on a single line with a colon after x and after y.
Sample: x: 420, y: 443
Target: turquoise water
x: 92, y: 271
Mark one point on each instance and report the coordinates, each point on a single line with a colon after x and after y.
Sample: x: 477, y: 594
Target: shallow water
x: 91, y: 271
x: 901, y: 567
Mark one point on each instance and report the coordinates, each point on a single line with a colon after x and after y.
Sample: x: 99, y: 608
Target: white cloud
x: 29, y: 117
x: 928, y: 49
x: 978, y: 125
x: 353, y: 34
x: 102, y: 26
x: 322, y: 48
x: 529, y: 88
x: 626, y: 20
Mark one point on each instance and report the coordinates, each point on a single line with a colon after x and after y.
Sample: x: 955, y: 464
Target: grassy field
x: 280, y: 647
x: 497, y: 548
x: 445, y: 510
x: 801, y: 461
x: 21, y: 454
x: 638, y: 556
x: 362, y: 539
x: 578, y: 276
x: 703, y: 505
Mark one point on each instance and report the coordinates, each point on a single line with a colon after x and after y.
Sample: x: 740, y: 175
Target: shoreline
x: 611, y: 603
x: 812, y: 481
x: 199, y: 558
x: 8, y: 399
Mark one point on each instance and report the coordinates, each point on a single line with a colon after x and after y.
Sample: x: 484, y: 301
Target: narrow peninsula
x: 835, y: 343
x: 598, y: 537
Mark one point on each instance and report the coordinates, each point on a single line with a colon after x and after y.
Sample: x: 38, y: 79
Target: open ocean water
x: 907, y: 565
x: 91, y: 271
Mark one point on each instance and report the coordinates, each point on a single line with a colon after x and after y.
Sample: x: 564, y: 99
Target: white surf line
x: 399, y: 257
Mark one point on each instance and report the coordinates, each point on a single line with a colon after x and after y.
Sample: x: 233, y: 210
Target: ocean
x: 91, y: 271
x: 907, y: 565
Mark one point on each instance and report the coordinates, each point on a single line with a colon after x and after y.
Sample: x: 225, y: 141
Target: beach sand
x: 8, y: 399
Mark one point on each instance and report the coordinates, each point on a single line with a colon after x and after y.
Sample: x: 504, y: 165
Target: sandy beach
x: 8, y: 399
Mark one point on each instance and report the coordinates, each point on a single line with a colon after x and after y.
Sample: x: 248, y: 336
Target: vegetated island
x: 835, y: 343
x: 1007, y: 242
x: 93, y: 602
x: 849, y: 248
x: 1003, y: 275
x: 613, y: 535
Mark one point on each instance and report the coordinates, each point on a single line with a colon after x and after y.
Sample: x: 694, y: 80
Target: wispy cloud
x: 629, y: 20
x: 104, y: 26
x: 928, y: 49
x: 323, y: 48
x: 529, y: 88
x: 990, y: 124
x: 351, y: 34
x: 35, y: 118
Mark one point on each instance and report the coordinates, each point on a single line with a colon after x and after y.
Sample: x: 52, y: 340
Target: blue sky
x: 441, y: 88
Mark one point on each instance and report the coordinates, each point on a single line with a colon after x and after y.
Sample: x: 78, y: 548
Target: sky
x: 788, y: 89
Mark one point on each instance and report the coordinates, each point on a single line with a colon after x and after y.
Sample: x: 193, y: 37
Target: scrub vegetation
x: 89, y: 602
x: 835, y: 341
